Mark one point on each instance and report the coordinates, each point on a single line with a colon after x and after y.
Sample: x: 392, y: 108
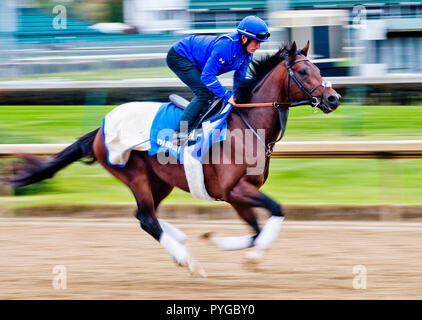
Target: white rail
x: 299, y: 149
x: 53, y: 84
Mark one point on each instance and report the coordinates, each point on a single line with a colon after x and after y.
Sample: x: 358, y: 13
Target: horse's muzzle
x: 331, y: 103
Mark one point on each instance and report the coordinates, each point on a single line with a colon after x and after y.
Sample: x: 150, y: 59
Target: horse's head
x: 304, y: 82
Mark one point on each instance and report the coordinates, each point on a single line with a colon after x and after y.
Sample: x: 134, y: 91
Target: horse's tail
x: 36, y: 170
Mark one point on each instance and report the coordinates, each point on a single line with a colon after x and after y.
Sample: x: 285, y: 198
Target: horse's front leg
x: 246, y: 194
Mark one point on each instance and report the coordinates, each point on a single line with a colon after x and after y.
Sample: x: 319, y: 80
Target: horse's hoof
x: 207, y: 235
x: 254, y: 255
x: 196, y: 269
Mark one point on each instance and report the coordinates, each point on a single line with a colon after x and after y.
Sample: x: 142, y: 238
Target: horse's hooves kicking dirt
x: 254, y: 255
x: 196, y: 269
x: 207, y: 235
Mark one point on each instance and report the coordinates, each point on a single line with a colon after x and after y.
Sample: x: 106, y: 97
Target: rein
x: 282, y: 116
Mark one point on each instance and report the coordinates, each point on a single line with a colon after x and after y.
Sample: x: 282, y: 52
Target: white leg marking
x: 232, y: 243
x: 268, y: 234
x: 172, y: 231
x: 181, y: 255
x: 176, y: 249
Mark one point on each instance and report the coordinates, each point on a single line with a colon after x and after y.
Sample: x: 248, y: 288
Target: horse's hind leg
x: 177, y: 234
x: 168, y: 235
x: 138, y: 177
x: 140, y: 183
x: 160, y: 190
x: 241, y: 242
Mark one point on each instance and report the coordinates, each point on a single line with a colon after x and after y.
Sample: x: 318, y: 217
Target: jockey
x: 198, y: 59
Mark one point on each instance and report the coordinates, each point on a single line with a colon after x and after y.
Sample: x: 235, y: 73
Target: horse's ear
x: 305, y: 49
x: 292, y: 51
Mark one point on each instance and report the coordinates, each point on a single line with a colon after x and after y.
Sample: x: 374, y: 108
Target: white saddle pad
x: 126, y: 128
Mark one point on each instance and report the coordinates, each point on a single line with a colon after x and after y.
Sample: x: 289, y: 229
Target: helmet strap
x: 246, y: 43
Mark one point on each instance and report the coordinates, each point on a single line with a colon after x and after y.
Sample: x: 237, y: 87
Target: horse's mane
x: 258, y: 69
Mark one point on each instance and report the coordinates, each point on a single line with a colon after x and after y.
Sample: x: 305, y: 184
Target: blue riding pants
x: 191, y: 76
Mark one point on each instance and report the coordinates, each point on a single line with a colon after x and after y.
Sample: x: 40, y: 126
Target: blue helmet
x: 254, y: 27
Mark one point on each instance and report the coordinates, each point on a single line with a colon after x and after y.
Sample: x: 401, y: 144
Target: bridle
x: 314, y: 101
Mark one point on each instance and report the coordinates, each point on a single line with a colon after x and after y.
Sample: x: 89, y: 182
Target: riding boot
x: 192, y: 113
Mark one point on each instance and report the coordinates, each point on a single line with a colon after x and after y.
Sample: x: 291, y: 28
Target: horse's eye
x: 302, y: 72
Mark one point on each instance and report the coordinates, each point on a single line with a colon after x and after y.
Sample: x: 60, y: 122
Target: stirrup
x: 180, y: 139
x: 193, y: 136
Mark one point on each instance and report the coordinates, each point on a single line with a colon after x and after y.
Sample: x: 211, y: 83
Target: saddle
x: 217, y: 105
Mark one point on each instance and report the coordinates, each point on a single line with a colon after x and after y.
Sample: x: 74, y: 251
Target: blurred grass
x: 63, y: 124
x: 336, y: 181
x: 48, y: 124
x: 290, y: 181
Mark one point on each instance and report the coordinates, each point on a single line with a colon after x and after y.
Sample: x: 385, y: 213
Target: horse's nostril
x: 333, y: 100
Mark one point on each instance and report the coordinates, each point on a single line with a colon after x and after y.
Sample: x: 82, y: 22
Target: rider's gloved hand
x: 231, y: 100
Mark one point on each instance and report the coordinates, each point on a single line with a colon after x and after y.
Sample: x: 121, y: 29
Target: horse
x: 276, y: 83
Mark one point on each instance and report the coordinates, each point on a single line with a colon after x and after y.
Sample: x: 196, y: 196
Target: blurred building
x: 379, y: 36
x: 151, y: 16
x: 8, y: 25
x: 359, y: 37
x: 325, y: 29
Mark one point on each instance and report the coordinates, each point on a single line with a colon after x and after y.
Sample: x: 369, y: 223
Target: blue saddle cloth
x: 166, y: 120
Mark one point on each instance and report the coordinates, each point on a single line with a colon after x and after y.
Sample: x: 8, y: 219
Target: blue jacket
x: 216, y: 55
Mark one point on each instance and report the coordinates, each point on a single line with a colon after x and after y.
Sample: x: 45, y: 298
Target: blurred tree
x: 100, y: 10
x: 116, y: 10
x: 92, y: 11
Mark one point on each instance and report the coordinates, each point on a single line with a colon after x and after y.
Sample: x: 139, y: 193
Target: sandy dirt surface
x: 115, y: 259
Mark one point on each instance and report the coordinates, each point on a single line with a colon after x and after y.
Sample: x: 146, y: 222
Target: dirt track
x: 114, y: 259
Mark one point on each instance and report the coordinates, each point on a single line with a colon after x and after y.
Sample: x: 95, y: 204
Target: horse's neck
x: 271, y: 89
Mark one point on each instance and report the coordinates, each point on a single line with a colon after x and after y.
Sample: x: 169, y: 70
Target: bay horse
x: 277, y: 82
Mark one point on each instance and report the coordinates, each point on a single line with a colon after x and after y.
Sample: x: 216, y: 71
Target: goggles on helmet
x: 259, y: 36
